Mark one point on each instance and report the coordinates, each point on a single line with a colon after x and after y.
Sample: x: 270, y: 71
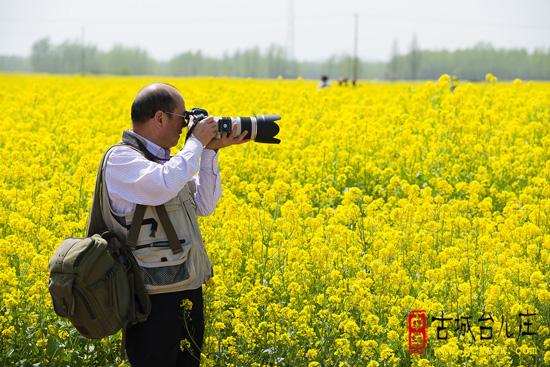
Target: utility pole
x: 290, y: 36
x: 83, y: 51
x: 415, y: 56
x: 355, y: 43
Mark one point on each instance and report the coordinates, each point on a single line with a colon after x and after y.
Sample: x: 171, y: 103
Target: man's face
x: 173, y: 129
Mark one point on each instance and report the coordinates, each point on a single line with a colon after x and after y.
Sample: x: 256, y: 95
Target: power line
x: 316, y: 18
x: 455, y: 21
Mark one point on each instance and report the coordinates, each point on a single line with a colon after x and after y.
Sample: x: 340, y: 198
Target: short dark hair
x: 148, y: 102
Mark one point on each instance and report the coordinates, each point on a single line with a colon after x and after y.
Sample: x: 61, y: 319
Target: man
x: 324, y: 82
x: 143, y: 172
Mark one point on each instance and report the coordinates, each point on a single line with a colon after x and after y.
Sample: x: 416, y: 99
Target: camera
x: 261, y: 128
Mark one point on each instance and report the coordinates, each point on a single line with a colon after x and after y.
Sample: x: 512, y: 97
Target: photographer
x: 142, y: 172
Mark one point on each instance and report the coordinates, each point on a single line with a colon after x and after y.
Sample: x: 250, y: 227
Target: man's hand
x: 206, y: 130
x: 228, y: 139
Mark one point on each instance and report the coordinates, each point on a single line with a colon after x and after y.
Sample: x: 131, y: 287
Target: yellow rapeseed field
x: 381, y: 199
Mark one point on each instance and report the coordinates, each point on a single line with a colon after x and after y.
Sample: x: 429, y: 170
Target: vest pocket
x: 165, y: 275
x: 161, y: 267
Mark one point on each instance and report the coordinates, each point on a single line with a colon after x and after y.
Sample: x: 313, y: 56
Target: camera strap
x: 190, y: 131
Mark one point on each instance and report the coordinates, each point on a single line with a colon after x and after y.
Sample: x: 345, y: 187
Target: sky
x: 317, y: 29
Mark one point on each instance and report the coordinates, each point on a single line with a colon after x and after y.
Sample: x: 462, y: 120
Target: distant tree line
x: 466, y: 64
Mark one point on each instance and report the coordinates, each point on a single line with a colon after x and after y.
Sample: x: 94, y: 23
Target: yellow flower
x: 41, y: 343
x: 490, y: 78
x: 422, y: 363
x: 444, y: 79
x: 185, y: 344
x: 378, y: 201
x: 312, y: 353
x: 186, y: 305
x: 8, y: 332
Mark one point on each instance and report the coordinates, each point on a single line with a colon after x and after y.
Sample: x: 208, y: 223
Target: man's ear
x: 158, y: 117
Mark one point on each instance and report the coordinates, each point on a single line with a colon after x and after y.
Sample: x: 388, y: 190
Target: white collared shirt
x: 132, y: 179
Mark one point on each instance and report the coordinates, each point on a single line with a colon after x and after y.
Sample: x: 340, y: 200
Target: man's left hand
x: 228, y: 139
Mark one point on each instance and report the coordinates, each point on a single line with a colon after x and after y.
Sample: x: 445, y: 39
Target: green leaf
x: 52, y: 346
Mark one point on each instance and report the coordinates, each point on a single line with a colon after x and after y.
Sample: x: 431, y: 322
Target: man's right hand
x: 206, y: 130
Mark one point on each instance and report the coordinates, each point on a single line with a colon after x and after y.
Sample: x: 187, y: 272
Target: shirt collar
x: 156, y: 150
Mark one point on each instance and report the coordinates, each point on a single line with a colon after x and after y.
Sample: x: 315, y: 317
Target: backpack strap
x: 96, y: 223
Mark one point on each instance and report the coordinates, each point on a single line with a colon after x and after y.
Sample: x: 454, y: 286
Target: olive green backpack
x: 95, y: 281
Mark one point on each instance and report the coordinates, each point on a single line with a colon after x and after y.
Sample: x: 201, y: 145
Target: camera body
x: 225, y: 124
x: 261, y: 128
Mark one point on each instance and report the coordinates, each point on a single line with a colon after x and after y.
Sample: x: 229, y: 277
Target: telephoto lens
x: 261, y: 128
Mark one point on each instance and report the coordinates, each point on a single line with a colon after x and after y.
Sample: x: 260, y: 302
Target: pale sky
x: 321, y: 27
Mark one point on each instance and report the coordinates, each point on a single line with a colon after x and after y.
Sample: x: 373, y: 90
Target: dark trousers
x: 157, y: 342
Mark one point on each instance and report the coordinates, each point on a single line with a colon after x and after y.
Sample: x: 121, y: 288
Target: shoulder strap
x: 96, y: 223
x: 135, y: 227
x: 169, y: 229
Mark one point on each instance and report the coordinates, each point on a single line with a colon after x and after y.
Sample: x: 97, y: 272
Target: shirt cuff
x: 209, y: 161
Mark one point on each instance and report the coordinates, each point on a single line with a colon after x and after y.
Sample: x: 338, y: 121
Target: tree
x: 414, y: 58
x: 41, y: 55
x: 393, y: 68
x: 128, y: 61
x: 466, y: 64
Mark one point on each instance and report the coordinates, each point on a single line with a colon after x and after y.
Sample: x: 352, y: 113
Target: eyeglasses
x: 185, y: 116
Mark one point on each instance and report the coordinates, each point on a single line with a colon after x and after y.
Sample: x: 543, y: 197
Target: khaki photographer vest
x: 164, y: 271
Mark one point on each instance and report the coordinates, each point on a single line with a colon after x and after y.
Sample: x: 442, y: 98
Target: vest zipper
x: 158, y: 244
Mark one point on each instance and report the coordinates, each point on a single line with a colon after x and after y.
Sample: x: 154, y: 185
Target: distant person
x: 324, y: 82
x: 343, y: 81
